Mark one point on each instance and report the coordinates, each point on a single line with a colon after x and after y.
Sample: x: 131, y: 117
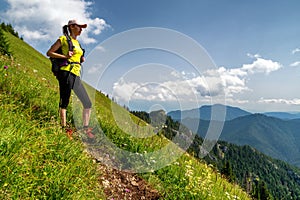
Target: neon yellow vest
x: 77, y: 53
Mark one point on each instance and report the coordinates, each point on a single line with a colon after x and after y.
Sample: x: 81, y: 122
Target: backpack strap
x: 71, y: 48
x: 83, y: 50
x: 70, y: 44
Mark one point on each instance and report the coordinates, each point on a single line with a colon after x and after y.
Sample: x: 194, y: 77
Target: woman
x: 69, y: 75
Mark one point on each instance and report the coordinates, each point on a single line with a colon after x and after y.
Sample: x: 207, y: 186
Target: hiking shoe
x: 69, y: 132
x: 89, y: 132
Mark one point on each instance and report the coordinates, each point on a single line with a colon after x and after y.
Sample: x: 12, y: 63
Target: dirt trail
x: 119, y: 185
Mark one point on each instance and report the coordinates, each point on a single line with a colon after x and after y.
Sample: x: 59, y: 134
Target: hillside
x: 249, y: 167
x: 244, y: 164
x: 39, y: 161
x: 272, y: 136
x: 275, y: 137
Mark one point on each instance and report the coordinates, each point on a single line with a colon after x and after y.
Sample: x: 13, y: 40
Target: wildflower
x: 35, y: 71
x: 227, y: 195
x: 105, y: 183
x: 176, y: 163
x: 127, y: 190
x: 5, y: 67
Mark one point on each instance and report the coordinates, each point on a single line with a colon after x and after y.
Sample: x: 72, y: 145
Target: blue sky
x: 255, y: 46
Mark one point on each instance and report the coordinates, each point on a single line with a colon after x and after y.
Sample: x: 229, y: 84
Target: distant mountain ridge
x: 204, y: 112
x: 273, y: 133
x: 283, y: 115
x: 275, y: 137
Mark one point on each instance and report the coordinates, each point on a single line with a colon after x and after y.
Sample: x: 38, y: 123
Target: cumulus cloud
x: 212, y: 83
x: 253, y: 56
x: 281, y: 101
x: 100, y: 48
x: 95, y: 68
x: 295, y: 64
x: 261, y: 65
x: 38, y: 21
x: 125, y: 90
x: 295, y: 50
x: 234, y: 80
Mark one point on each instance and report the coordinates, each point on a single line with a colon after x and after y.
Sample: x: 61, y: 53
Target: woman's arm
x: 52, y: 51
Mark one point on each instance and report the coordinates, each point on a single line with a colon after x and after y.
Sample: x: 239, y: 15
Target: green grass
x: 37, y: 160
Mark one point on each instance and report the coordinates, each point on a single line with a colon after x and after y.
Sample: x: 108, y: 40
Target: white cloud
x: 295, y: 50
x: 236, y: 101
x: 206, y: 86
x: 94, y: 69
x: 261, y: 65
x: 100, y: 48
x: 124, y: 90
x: 212, y: 83
x: 41, y: 21
x: 32, y: 34
x: 280, y: 101
x: 295, y: 64
x: 235, y: 80
x: 253, y: 56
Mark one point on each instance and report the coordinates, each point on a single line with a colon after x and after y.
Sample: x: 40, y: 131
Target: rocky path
x: 119, y: 185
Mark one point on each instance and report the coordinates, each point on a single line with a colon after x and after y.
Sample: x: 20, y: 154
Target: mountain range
x: 204, y: 113
x: 283, y: 115
x: 277, y: 137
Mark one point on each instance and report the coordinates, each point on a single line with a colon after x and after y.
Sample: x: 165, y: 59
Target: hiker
x: 69, y: 75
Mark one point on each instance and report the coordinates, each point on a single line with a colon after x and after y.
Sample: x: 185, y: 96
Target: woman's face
x: 76, y: 30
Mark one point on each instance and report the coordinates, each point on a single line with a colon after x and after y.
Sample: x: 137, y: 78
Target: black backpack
x: 57, y: 63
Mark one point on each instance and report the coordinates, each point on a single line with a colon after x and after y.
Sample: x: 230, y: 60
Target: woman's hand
x: 70, y: 54
x: 82, y: 59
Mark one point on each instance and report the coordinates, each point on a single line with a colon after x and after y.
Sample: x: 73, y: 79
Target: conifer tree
x: 227, y: 171
x: 261, y: 192
x: 4, y: 46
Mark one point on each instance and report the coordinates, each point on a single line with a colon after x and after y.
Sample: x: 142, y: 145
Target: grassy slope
x: 37, y: 160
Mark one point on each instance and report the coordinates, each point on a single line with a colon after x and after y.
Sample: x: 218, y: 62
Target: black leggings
x: 67, y: 82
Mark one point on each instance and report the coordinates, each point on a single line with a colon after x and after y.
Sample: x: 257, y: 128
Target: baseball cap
x: 73, y: 21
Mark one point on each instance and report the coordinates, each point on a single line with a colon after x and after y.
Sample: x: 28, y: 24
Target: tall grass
x: 37, y: 160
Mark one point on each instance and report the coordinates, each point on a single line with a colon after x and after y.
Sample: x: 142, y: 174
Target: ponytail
x: 65, y: 30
